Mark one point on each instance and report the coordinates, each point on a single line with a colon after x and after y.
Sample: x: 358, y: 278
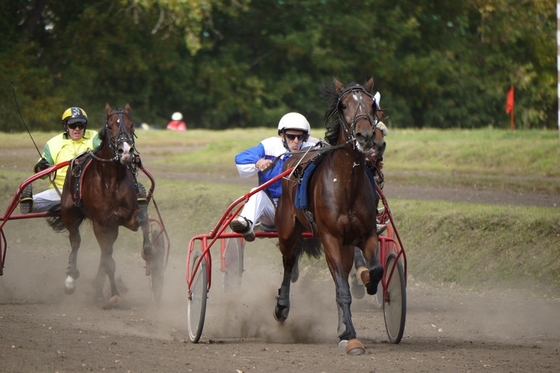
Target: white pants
x: 43, y: 201
x: 260, y: 208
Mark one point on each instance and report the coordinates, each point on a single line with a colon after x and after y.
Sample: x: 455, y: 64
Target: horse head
x: 358, y: 115
x: 119, y: 132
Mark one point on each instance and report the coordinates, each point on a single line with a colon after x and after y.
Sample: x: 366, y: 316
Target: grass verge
x: 466, y: 244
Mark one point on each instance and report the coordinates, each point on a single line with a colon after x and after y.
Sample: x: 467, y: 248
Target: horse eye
x: 343, y: 106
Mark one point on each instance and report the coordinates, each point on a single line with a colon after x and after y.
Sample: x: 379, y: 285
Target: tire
x: 157, y: 265
x: 378, y: 297
x: 233, y: 255
x: 196, y: 306
x: 394, y: 309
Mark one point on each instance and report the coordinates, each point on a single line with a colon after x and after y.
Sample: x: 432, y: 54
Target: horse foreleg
x: 72, y: 270
x: 340, y: 268
x: 106, y: 237
x: 369, y: 269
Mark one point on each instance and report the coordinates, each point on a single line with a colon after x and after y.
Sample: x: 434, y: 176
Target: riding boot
x: 244, y: 226
x: 26, y: 202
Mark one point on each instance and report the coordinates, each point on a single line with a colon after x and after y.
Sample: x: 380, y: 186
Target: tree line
x: 243, y: 63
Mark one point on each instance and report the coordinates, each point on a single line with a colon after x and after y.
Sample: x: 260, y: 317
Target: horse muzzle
x: 364, y: 135
x: 365, y: 143
x: 125, y: 153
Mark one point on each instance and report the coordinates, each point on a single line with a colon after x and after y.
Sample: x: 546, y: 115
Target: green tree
x: 240, y: 64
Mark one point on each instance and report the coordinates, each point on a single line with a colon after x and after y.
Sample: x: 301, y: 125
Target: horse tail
x: 310, y: 246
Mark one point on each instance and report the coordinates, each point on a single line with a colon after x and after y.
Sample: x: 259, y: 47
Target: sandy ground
x: 447, y: 329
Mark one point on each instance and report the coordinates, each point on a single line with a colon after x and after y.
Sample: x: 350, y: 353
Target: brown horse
x: 342, y: 201
x: 107, y: 195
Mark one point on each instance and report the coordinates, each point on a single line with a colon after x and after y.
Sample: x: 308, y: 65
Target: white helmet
x: 177, y: 116
x: 294, y: 121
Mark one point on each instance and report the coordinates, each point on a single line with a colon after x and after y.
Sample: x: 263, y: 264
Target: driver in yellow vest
x: 75, y: 139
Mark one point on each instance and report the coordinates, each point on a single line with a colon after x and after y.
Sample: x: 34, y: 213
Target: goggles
x: 79, y: 125
x: 293, y: 137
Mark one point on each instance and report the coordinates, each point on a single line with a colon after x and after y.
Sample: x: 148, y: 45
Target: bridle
x: 361, y: 112
x: 122, y: 135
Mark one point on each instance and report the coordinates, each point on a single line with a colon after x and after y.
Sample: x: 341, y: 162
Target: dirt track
x: 447, y: 329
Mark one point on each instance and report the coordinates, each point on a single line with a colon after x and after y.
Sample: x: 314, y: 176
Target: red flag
x: 509, y: 101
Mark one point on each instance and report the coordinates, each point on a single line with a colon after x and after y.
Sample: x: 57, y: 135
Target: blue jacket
x: 269, y: 148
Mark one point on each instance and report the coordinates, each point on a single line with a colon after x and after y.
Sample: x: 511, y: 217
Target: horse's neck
x: 105, y: 151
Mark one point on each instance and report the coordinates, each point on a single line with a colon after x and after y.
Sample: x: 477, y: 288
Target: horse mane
x: 331, y: 115
x: 103, y: 133
x: 332, y: 118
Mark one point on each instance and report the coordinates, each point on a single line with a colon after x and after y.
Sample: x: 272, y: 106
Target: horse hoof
x: 74, y: 273
x: 355, y: 347
x: 281, y: 313
x: 114, y: 302
x: 148, y: 257
x: 69, y: 285
x: 375, y: 275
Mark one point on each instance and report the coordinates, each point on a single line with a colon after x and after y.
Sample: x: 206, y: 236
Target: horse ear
x: 338, y: 86
x: 369, y: 84
x: 127, y: 108
x: 107, y: 109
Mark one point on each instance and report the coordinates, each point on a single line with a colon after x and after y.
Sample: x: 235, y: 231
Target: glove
x: 43, y: 164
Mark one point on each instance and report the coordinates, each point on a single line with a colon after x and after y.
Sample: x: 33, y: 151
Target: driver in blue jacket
x: 293, y: 131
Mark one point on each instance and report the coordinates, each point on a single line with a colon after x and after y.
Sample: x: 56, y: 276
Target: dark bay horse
x: 342, y: 201
x: 107, y: 195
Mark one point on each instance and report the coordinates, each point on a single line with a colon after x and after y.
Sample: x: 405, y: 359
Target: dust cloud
x: 37, y: 258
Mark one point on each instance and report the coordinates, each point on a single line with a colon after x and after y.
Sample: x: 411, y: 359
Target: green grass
x: 480, y: 245
x: 451, y: 154
x: 467, y: 153
x: 520, y: 160
x: 470, y: 245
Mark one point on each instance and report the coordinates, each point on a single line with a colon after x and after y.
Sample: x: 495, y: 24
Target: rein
x: 319, y: 147
x: 90, y: 152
